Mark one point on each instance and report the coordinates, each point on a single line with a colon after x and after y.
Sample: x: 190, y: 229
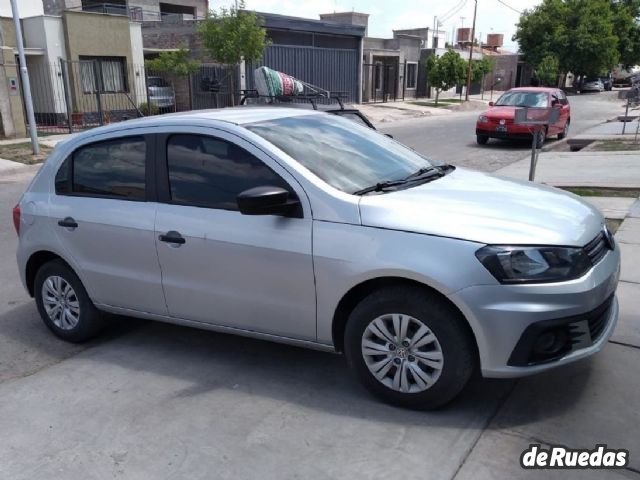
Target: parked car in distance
x: 161, y: 94
x: 592, y: 84
x: 607, y: 82
x: 306, y: 228
x: 498, y: 120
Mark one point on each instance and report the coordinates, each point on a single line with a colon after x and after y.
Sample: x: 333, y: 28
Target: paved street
x: 451, y: 138
x: 148, y: 400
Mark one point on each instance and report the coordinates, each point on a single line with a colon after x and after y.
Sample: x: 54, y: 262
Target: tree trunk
x: 437, y: 95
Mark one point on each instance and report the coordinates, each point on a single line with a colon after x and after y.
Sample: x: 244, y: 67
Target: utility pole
x: 24, y: 74
x: 473, y: 34
x: 433, y: 37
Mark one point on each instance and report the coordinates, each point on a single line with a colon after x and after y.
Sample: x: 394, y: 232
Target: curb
x: 18, y: 168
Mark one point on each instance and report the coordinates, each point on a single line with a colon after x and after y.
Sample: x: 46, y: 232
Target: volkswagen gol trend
x: 305, y: 228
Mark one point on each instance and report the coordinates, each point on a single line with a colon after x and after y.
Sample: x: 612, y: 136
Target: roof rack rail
x: 312, y: 98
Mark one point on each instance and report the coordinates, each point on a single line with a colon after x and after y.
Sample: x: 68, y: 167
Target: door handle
x: 172, y: 237
x: 68, y: 222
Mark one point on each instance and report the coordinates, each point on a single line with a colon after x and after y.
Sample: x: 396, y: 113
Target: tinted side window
x: 208, y: 172
x: 115, y: 168
x: 63, y: 176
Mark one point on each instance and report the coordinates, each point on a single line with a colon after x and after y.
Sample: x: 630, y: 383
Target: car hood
x: 487, y: 209
x: 501, y: 112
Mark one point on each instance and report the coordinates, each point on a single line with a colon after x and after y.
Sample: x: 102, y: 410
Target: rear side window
x: 115, y: 168
x: 209, y: 172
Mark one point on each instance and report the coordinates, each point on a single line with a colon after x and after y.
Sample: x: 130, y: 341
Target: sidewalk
x: 9, y: 167
x: 383, y: 112
x: 581, y: 169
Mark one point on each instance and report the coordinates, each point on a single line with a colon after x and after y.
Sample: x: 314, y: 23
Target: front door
x: 219, y: 266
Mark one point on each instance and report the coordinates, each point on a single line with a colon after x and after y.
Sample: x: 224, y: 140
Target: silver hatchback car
x: 306, y: 228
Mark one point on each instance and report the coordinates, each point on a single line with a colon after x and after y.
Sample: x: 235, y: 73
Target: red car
x: 497, y: 122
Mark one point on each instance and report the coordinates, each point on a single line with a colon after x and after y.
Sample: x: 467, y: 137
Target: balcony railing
x: 135, y: 14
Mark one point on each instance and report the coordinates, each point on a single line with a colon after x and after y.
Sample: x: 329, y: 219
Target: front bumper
x: 513, y: 133
x: 500, y: 314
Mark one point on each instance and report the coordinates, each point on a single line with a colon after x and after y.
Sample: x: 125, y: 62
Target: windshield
x: 157, y: 82
x: 524, y: 99
x: 347, y: 156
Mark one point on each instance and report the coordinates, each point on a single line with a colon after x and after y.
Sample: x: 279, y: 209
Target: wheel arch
x: 37, y: 260
x: 358, y: 292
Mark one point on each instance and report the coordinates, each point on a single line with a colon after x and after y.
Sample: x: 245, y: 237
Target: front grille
x: 597, y: 248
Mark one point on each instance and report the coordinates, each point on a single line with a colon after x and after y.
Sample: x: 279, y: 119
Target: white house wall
x: 137, y: 56
x: 47, y: 88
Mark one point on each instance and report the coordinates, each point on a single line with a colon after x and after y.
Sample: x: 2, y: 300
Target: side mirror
x: 268, y: 200
x: 491, y: 104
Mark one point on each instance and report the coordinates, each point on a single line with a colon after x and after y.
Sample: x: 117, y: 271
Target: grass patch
x: 613, y: 145
x: 604, y: 192
x: 22, y: 153
x: 441, y: 103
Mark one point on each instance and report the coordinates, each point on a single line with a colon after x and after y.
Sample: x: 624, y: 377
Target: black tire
x: 90, y: 319
x: 482, y: 139
x: 446, y: 323
x: 564, y: 133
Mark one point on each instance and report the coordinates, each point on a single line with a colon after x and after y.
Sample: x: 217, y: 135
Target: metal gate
x: 332, y: 69
x: 71, y: 96
x: 380, y: 82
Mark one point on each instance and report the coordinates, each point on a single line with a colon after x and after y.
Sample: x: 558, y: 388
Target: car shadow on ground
x: 211, y: 361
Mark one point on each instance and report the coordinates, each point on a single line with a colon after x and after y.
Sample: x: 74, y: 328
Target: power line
x: 509, y: 6
x: 459, y: 6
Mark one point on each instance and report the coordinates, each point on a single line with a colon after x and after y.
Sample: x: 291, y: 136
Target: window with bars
x: 103, y: 74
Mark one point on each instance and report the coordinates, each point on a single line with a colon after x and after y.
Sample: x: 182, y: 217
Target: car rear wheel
x: 63, y: 303
x: 409, y: 347
x: 565, y: 131
x: 482, y: 139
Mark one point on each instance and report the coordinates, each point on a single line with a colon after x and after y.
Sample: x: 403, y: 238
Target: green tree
x: 445, y: 72
x: 547, y: 71
x: 580, y: 34
x: 479, y: 68
x: 626, y: 17
x: 230, y: 35
x: 175, y: 63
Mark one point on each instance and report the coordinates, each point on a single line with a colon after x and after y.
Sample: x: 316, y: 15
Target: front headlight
x: 483, y: 119
x: 512, y: 264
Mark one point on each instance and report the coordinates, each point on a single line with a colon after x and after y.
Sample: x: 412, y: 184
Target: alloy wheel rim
x: 60, y: 302
x: 402, y: 353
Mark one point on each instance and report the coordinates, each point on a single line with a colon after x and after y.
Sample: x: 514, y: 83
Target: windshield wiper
x: 424, y: 172
x: 380, y: 186
x: 422, y: 175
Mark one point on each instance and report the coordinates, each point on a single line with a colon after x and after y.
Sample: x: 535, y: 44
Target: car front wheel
x: 409, y: 347
x: 63, y: 303
x: 482, y: 139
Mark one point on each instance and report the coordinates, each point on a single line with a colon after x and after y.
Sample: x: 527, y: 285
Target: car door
x: 219, y: 266
x: 102, y: 211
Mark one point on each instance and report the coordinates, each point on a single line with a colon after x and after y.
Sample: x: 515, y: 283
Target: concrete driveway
x: 149, y: 400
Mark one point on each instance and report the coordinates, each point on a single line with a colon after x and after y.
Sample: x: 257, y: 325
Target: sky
x: 26, y: 8
x: 385, y: 15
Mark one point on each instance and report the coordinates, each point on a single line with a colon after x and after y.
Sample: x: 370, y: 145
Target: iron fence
x: 73, y: 96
